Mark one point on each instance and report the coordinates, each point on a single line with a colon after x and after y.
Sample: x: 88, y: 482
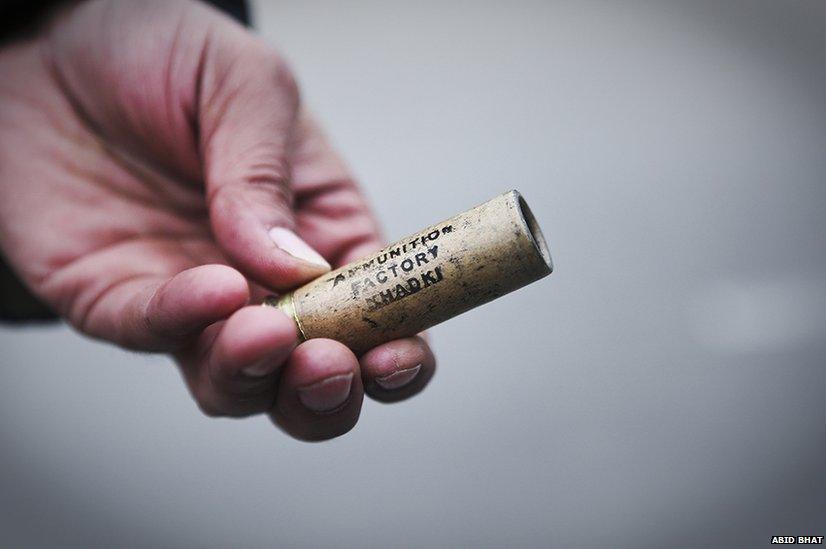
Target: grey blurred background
x: 664, y: 387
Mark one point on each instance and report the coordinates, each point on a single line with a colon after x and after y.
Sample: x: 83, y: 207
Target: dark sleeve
x: 17, y: 304
x: 19, y: 18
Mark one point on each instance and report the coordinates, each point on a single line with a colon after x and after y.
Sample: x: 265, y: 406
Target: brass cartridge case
x: 424, y: 279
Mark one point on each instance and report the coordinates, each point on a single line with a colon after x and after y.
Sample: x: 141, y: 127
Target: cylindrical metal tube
x: 427, y: 278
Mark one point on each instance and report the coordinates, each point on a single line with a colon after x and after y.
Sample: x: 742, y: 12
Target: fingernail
x: 399, y: 378
x: 327, y: 395
x: 260, y: 369
x: 296, y: 247
x: 270, y: 363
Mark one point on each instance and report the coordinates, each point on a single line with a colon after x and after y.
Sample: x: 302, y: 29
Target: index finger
x: 332, y: 213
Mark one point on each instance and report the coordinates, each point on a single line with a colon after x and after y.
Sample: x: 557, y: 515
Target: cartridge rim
x: 533, y: 230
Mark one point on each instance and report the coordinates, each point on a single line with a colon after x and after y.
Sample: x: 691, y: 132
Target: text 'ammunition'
x: 427, y: 278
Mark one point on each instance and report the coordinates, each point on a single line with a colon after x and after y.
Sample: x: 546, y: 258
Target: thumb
x: 248, y: 107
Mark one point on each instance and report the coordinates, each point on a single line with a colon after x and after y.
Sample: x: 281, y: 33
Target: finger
x: 219, y: 108
x: 247, y: 114
x: 397, y: 370
x: 154, y: 313
x: 233, y: 368
x: 332, y: 214
x: 320, y: 391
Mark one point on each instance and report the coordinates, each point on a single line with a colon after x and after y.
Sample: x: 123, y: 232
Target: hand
x: 156, y: 177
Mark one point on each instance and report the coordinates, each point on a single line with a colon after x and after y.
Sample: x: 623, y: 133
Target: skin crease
x: 146, y: 148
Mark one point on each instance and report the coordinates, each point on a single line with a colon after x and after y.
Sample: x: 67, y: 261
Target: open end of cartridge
x: 536, y: 233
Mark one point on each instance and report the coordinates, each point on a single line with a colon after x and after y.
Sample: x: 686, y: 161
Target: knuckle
x: 271, y: 174
x: 276, y: 69
x: 258, y: 190
x: 284, y: 78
